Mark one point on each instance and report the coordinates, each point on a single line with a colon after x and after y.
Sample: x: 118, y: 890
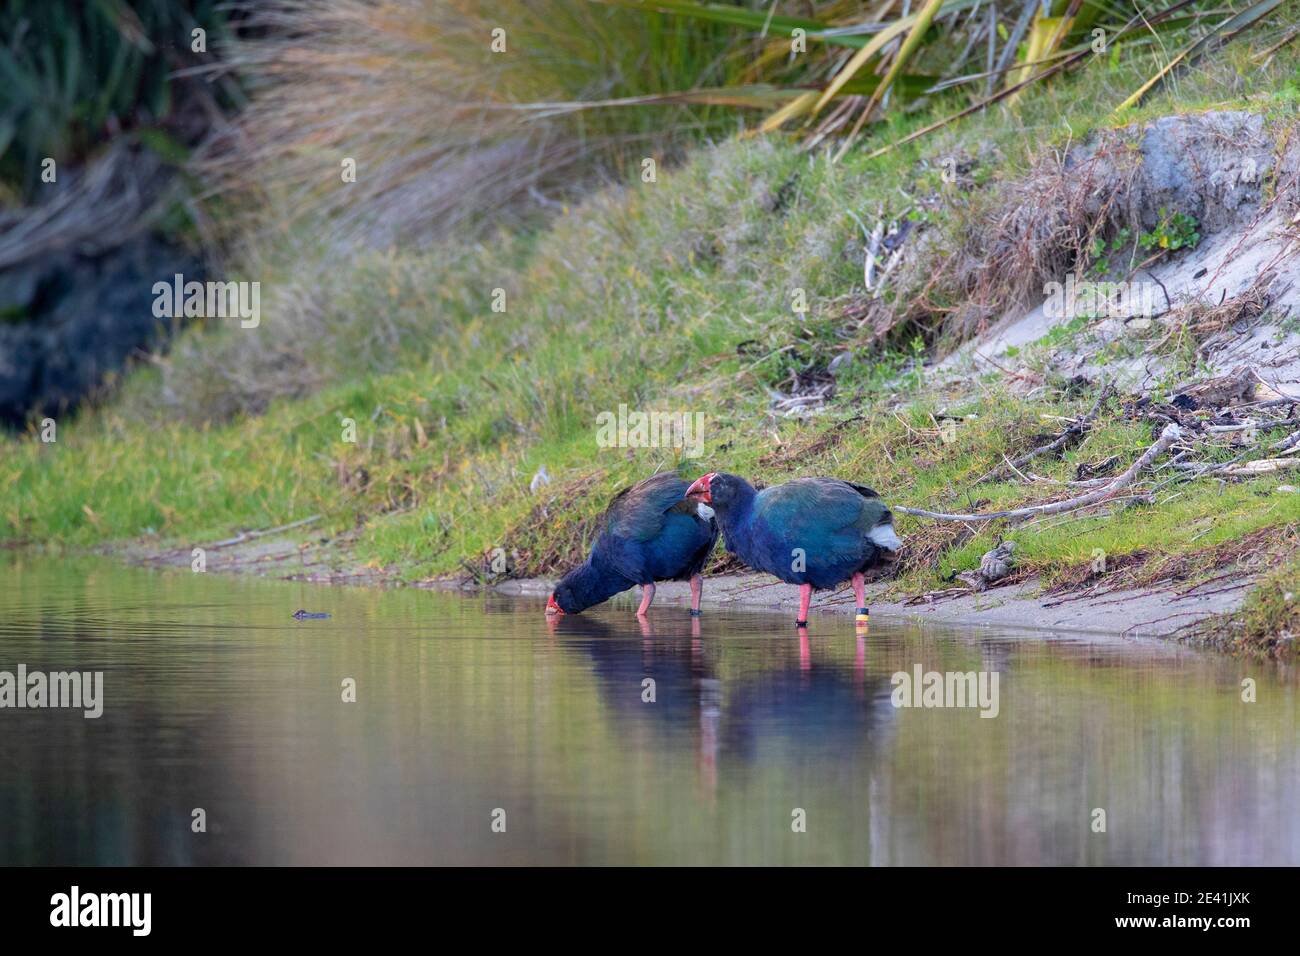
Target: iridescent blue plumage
x: 829, y: 521
x: 650, y: 533
x: 813, y: 532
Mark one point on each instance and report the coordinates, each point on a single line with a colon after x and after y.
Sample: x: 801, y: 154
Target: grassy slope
x: 672, y: 295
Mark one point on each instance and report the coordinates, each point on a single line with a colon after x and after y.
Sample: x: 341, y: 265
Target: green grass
x: 673, y: 295
x: 1270, y: 619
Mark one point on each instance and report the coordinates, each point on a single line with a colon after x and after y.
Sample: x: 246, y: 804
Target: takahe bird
x: 649, y: 533
x: 813, y: 532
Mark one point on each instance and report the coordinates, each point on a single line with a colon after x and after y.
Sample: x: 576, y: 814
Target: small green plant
x: 890, y: 370
x: 915, y: 376
x: 1102, y: 251
x: 1176, y: 231
x: 1065, y: 332
x: 1289, y: 324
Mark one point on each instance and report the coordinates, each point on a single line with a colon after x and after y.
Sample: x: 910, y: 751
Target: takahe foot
x: 647, y: 595
x: 860, y: 592
x: 805, y: 598
x: 697, y: 591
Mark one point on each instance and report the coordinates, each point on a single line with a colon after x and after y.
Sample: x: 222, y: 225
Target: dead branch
x: 1290, y: 441
x: 1073, y: 430
x: 251, y: 535
x: 1262, y: 466
x: 1167, y: 437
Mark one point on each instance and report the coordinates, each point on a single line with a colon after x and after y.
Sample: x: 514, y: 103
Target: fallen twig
x: 1290, y: 441
x: 930, y: 597
x: 1167, y: 437
x: 250, y: 535
x: 1263, y: 466
x: 1036, y: 479
x: 1160, y: 620
x: 1075, y: 429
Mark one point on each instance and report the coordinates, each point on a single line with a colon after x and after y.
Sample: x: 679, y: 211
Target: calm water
x: 215, y: 698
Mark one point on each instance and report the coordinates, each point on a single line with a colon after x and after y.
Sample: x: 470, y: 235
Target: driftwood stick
x: 1167, y: 437
x: 250, y: 535
x: 1290, y: 441
x: 1073, y: 430
x: 1035, y: 479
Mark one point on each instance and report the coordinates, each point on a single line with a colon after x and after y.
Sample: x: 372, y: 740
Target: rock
x: 69, y: 321
x: 994, y: 566
x: 540, y: 480
x: 839, y: 362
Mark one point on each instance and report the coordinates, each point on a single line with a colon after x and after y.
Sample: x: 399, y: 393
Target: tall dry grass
x: 445, y: 132
x: 449, y: 132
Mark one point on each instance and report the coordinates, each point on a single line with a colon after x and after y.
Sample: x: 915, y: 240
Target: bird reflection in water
x: 735, y: 695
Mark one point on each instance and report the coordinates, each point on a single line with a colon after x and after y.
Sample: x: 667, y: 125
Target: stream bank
x: 426, y: 472
x: 1171, y: 610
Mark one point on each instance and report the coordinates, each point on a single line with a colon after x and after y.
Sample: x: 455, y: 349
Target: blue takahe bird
x: 813, y: 532
x: 649, y: 533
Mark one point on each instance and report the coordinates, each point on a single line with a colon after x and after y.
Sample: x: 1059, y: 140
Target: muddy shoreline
x: 1137, y: 613
x: 1169, y: 611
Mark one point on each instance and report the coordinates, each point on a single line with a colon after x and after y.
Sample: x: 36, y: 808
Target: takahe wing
x: 652, y: 532
x: 637, y: 513
x: 830, y: 519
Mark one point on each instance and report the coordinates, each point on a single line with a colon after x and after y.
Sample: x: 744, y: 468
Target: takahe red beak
x: 552, y: 607
x: 700, y: 490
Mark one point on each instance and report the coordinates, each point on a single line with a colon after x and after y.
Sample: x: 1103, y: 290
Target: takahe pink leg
x: 647, y: 595
x: 697, y: 591
x: 805, y: 597
x: 860, y: 594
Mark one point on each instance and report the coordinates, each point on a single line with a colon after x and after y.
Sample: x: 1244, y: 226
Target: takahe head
x: 718, y: 489
x: 577, y: 591
x: 563, y: 601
